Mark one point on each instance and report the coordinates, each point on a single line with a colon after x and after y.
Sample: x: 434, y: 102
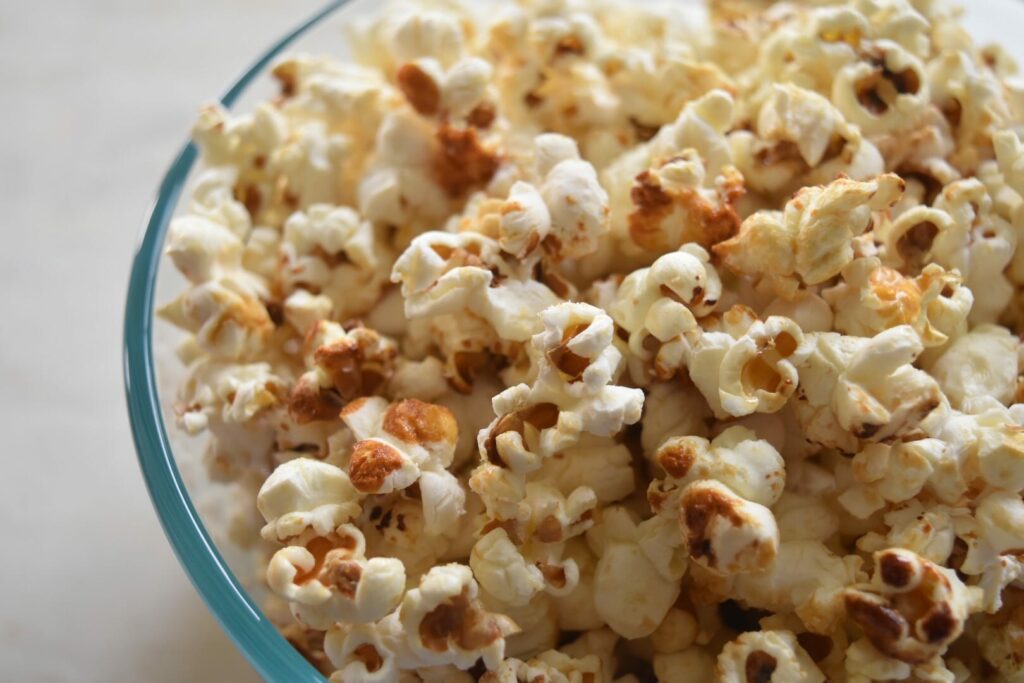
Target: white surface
x: 97, y: 96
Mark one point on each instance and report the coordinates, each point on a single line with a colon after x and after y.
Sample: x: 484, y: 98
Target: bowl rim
x: 243, y: 621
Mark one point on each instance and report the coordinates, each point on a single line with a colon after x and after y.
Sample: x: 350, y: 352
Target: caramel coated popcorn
x: 580, y: 342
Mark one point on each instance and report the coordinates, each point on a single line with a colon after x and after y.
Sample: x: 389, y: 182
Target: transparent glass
x: 151, y: 372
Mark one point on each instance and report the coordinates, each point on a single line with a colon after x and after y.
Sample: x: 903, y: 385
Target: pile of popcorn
x: 570, y: 341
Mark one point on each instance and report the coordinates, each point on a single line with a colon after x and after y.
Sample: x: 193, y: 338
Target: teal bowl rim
x: 268, y: 652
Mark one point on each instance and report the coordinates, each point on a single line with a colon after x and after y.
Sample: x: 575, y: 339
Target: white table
x: 97, y: 97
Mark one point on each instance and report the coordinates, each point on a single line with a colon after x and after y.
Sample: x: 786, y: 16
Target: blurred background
x: 97, y: 97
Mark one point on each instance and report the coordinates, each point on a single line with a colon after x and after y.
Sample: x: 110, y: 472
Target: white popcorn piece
x: 988, y: 445
x: 979, y: 243
x: 801, y: 139
x: 748, y: 371
x: 694, y: 664
x: 873, y: 298
x: 892, y: 474
x: 329, y: 580
x: 502, y: 571
x: 657, y: 203
x: 551, y: 666
x: 447, y: 273
x: 670, y: 410
x: 227, y: 318
x: 395, y: 526
x: 217, y: 393
x: 677, y: 632
x: 573, y: 394
x: 885, y: 92
x: 330, y: 251
x: 810, y: 241
x: 658, y: 307
x: 402, y: 443
x: 806, y: 578
x: 632, y: 595
x: 1000, y: 643
x: 673, y: 204
x: 444, y: 622
x: 983, y: 362
x: 749, y: 466
x: 856, y: 388
x: 304, y: 494
x: 522, y: 551
x: 766, y: 656
x: 725, y: 532
x: 912, y: 609
x: 359, y: 654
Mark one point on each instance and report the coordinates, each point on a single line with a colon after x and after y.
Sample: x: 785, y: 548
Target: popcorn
x: 674, y: 206
x: 444, y: 622
x: 443, y: 273
x: 983, y: 362
x: 404, y: 443
x: 344, y: 364
x: 548, y: 667
x: 885, y: 92
x: 725, y: 532
x: 658, y: 306
x: 690, y: 319
x: 912, y: 609
x: 693, y: 664
x: 999, y: 642
x: 873, y: 298
x: 749, y: 466
x: 810, y: 241
x: 740, y: 373
x: 635, y: 593
x: 856, y: 388
x: 806, y: 578
x: 979, y: 243
x: 329, y: 580
x: 305, y: 494
x: 329, y: 251
x: 572, y: 396
x: 801, y: 139
x: 224, y: 393
x: 765, y: 656
x: 660, y: 202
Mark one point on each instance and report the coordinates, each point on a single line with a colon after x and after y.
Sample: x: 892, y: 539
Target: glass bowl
x: 149, y: 379
x: 151, y: 371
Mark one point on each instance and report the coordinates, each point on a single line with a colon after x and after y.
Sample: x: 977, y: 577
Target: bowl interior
x: 195, y: 511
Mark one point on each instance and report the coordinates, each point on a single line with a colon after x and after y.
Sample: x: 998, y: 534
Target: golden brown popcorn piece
x: 372, y: 461
x: 704, y: 216
x: 414, y: 421
x: 346, y: 364
x: 913, y: 609
x: 419, y: 88
x: 462, y: 162
x: 811, y: 241
x: 461, y: 621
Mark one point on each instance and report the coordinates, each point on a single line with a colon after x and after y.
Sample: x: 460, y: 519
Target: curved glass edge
x: 268, y: 652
